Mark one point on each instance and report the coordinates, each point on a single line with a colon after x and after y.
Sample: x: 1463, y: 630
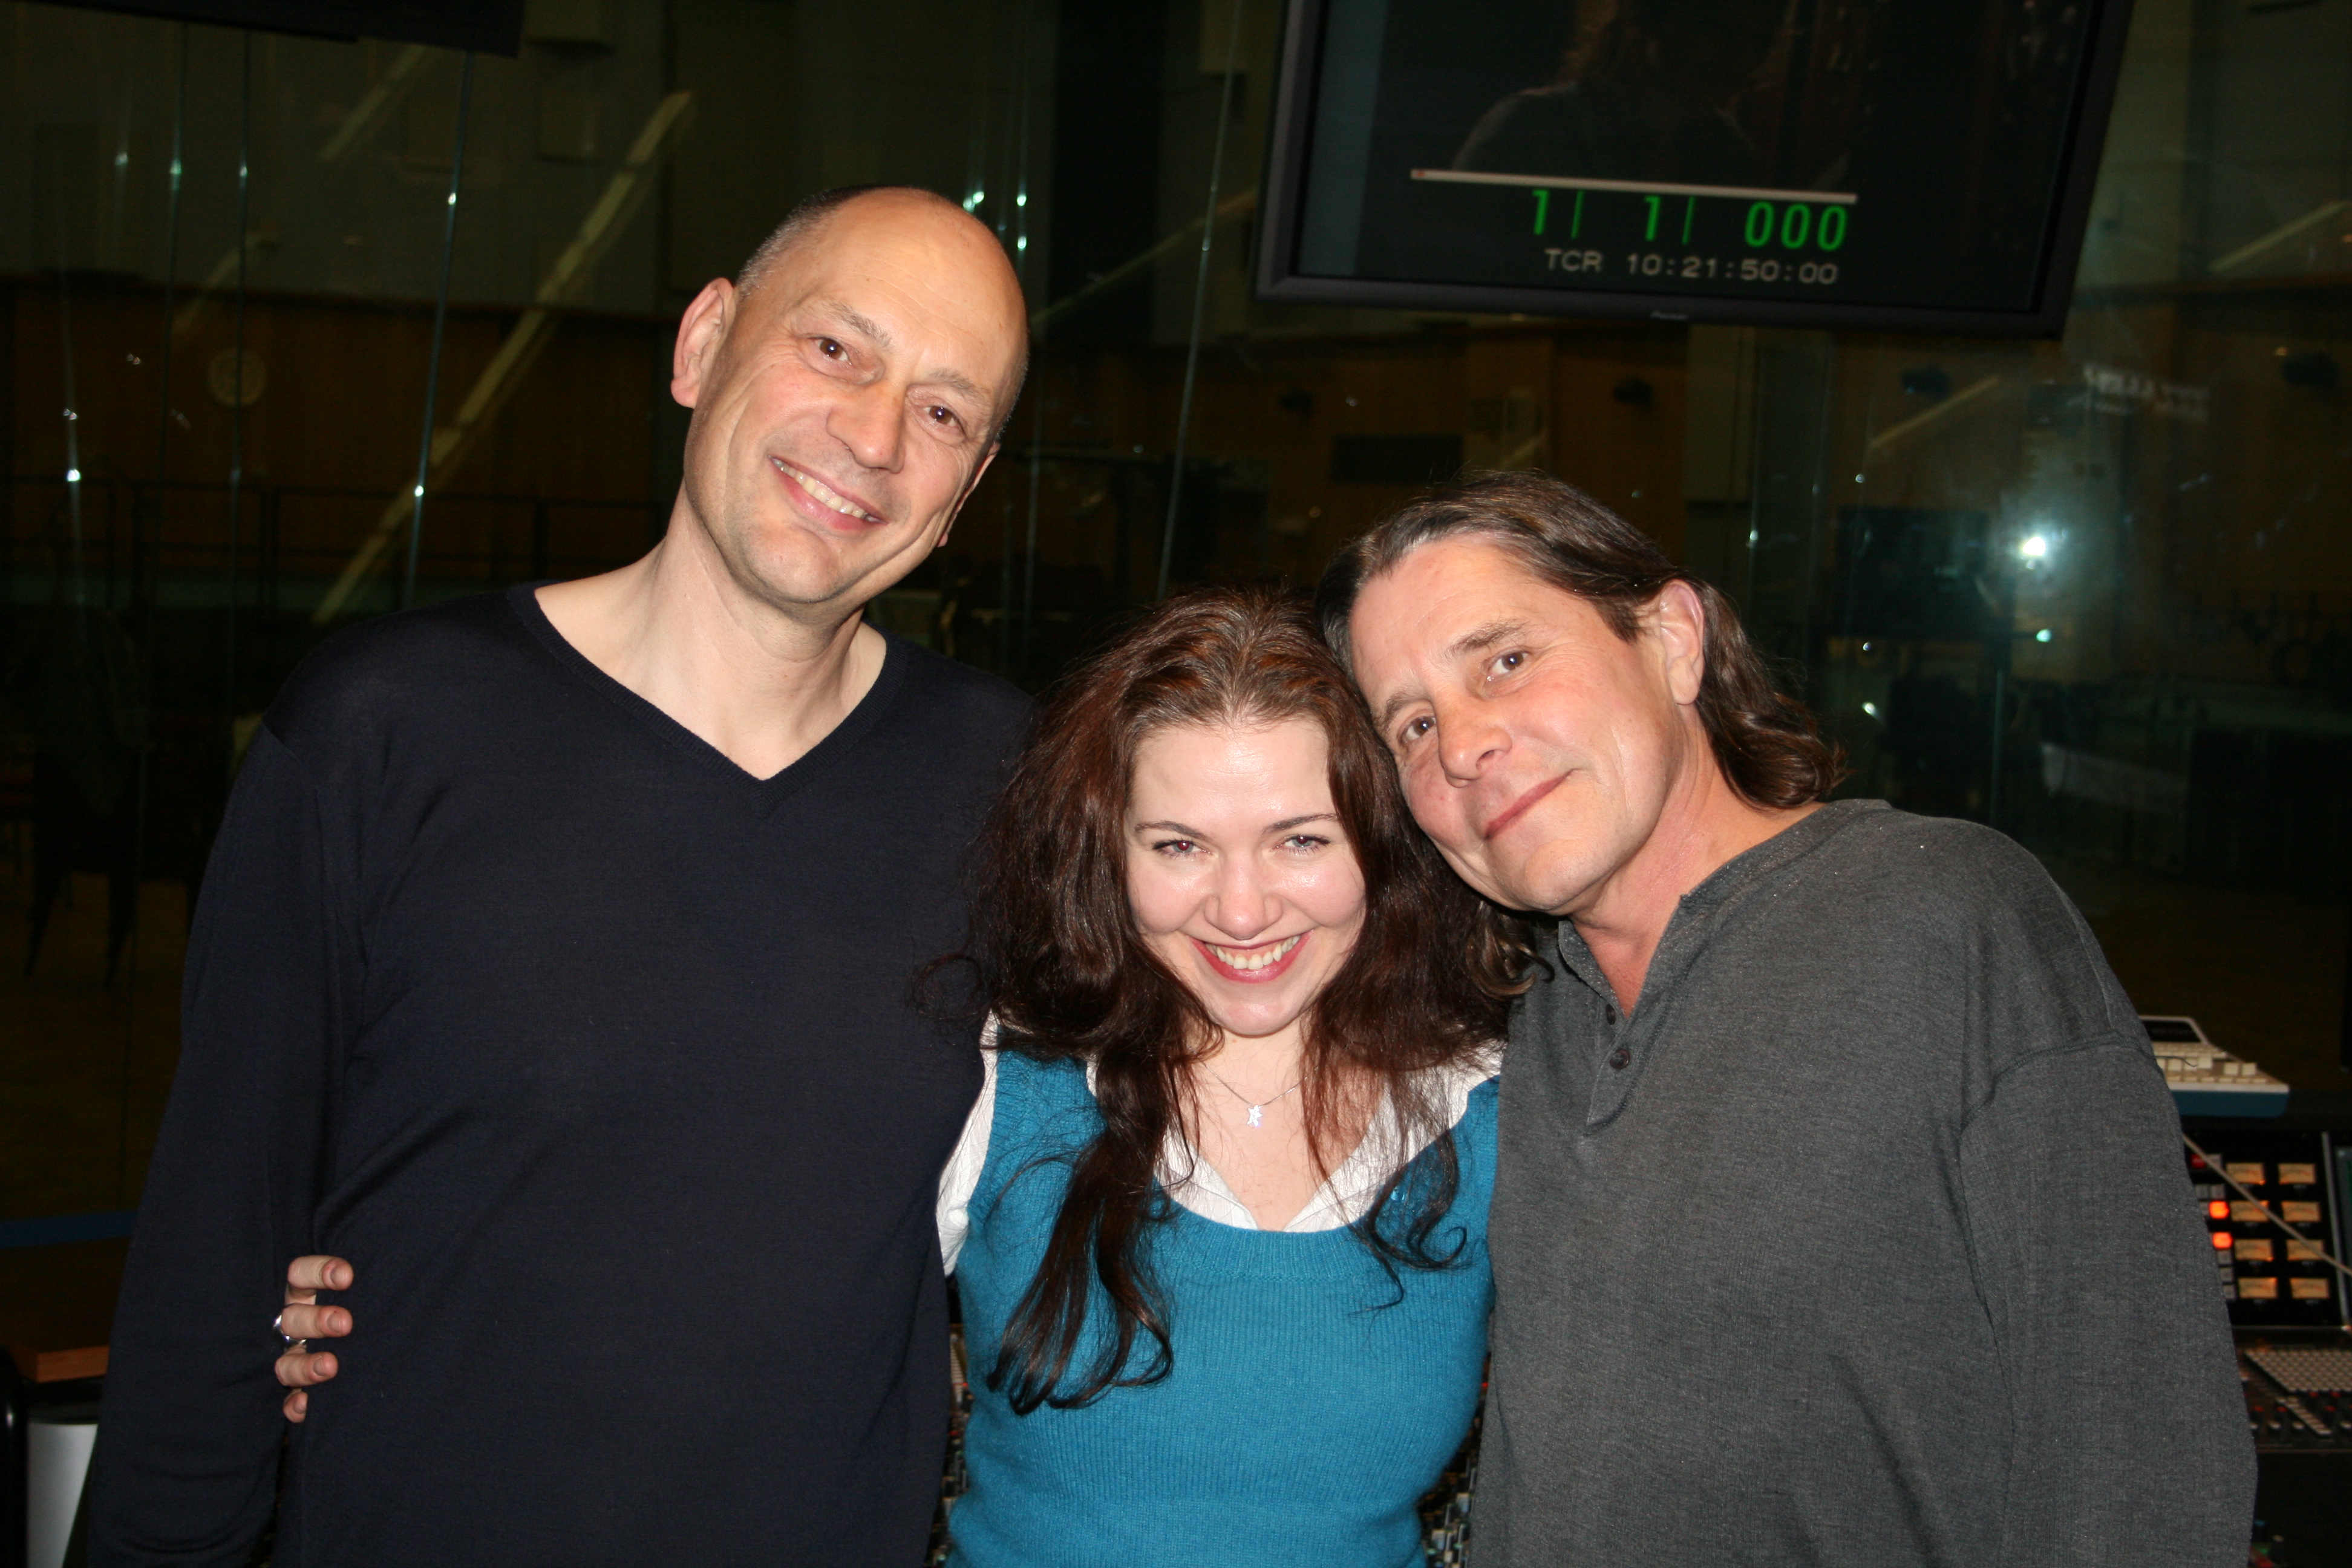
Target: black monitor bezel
x: 1278, y: 282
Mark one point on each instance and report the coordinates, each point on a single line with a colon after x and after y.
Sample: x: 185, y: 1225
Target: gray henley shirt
x: 1865, y: 1240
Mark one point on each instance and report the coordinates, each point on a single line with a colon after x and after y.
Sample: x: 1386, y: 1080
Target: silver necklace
x: 1256, y: 1111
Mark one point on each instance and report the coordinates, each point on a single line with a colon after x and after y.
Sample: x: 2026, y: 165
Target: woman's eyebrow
x: 1285, y: 825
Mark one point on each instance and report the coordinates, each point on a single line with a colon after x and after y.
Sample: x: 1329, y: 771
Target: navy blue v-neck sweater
x: 599, y: 1057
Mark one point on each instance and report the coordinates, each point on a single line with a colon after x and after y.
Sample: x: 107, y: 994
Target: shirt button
x: 1609, y: 1013
x: 1619, y: 1057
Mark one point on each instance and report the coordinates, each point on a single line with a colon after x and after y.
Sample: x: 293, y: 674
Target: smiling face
x: 1538, y: 748
x: 845, y: 407
x: 1239, y: 872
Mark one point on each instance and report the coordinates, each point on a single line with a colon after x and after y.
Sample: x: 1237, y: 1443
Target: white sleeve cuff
x: 960, y: 1178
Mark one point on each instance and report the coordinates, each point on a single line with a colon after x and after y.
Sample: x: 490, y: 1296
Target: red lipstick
x: 1274, y: 971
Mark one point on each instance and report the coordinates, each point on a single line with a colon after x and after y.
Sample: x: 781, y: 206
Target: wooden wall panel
x: 339, y: 410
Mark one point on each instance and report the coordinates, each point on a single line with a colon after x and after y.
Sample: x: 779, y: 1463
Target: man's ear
x: 700, y: 331
x: 940, y: 543
x: 1678, y: 620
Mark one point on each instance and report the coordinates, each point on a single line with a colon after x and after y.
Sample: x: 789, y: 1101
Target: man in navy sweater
x: 562, y: 943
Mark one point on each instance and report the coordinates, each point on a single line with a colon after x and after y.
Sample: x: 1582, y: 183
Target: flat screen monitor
x: 1871, y: 164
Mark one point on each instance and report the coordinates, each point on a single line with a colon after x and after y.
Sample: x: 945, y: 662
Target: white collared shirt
x: 1192, y: 1182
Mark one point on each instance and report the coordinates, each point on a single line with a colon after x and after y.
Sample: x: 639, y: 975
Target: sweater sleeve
x: 2127, y: 1434
x: 186, y: 1463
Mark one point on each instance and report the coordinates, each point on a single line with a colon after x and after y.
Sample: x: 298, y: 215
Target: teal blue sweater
x: 1304, y: 1416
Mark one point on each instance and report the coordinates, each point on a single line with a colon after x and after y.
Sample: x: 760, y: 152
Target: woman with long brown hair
x: 1218, y: 1224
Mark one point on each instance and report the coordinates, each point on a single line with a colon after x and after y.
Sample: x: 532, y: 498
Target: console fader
x: 2286, y: 1300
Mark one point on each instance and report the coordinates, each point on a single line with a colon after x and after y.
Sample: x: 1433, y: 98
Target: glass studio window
x: 2092, y: 590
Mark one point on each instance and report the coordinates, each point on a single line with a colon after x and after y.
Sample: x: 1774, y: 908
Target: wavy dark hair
x: 1767, y: 743
x: 1428, y: 980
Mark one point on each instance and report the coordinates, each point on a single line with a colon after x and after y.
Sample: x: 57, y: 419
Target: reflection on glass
x: 2092, y: 591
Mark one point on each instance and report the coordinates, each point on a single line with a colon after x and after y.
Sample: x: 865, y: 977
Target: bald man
x: 558, y: 943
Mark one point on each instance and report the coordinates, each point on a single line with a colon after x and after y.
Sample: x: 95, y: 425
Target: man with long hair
x: 1840, y: 1214
x: 561, y: 941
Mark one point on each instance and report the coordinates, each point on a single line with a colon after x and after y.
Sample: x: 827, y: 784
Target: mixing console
x: 2207, y: 1081
x: 2269, y: 1201
x: 1445, y: 1511
x: 2298, y: 1397
x: 2298, y: 1369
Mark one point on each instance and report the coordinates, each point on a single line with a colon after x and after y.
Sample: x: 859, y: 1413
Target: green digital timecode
x: 1793, y: 223
x: 1793, y: 226
x: 1652, y: 205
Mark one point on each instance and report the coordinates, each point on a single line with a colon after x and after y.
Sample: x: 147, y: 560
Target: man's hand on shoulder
x: 300, y: 1368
